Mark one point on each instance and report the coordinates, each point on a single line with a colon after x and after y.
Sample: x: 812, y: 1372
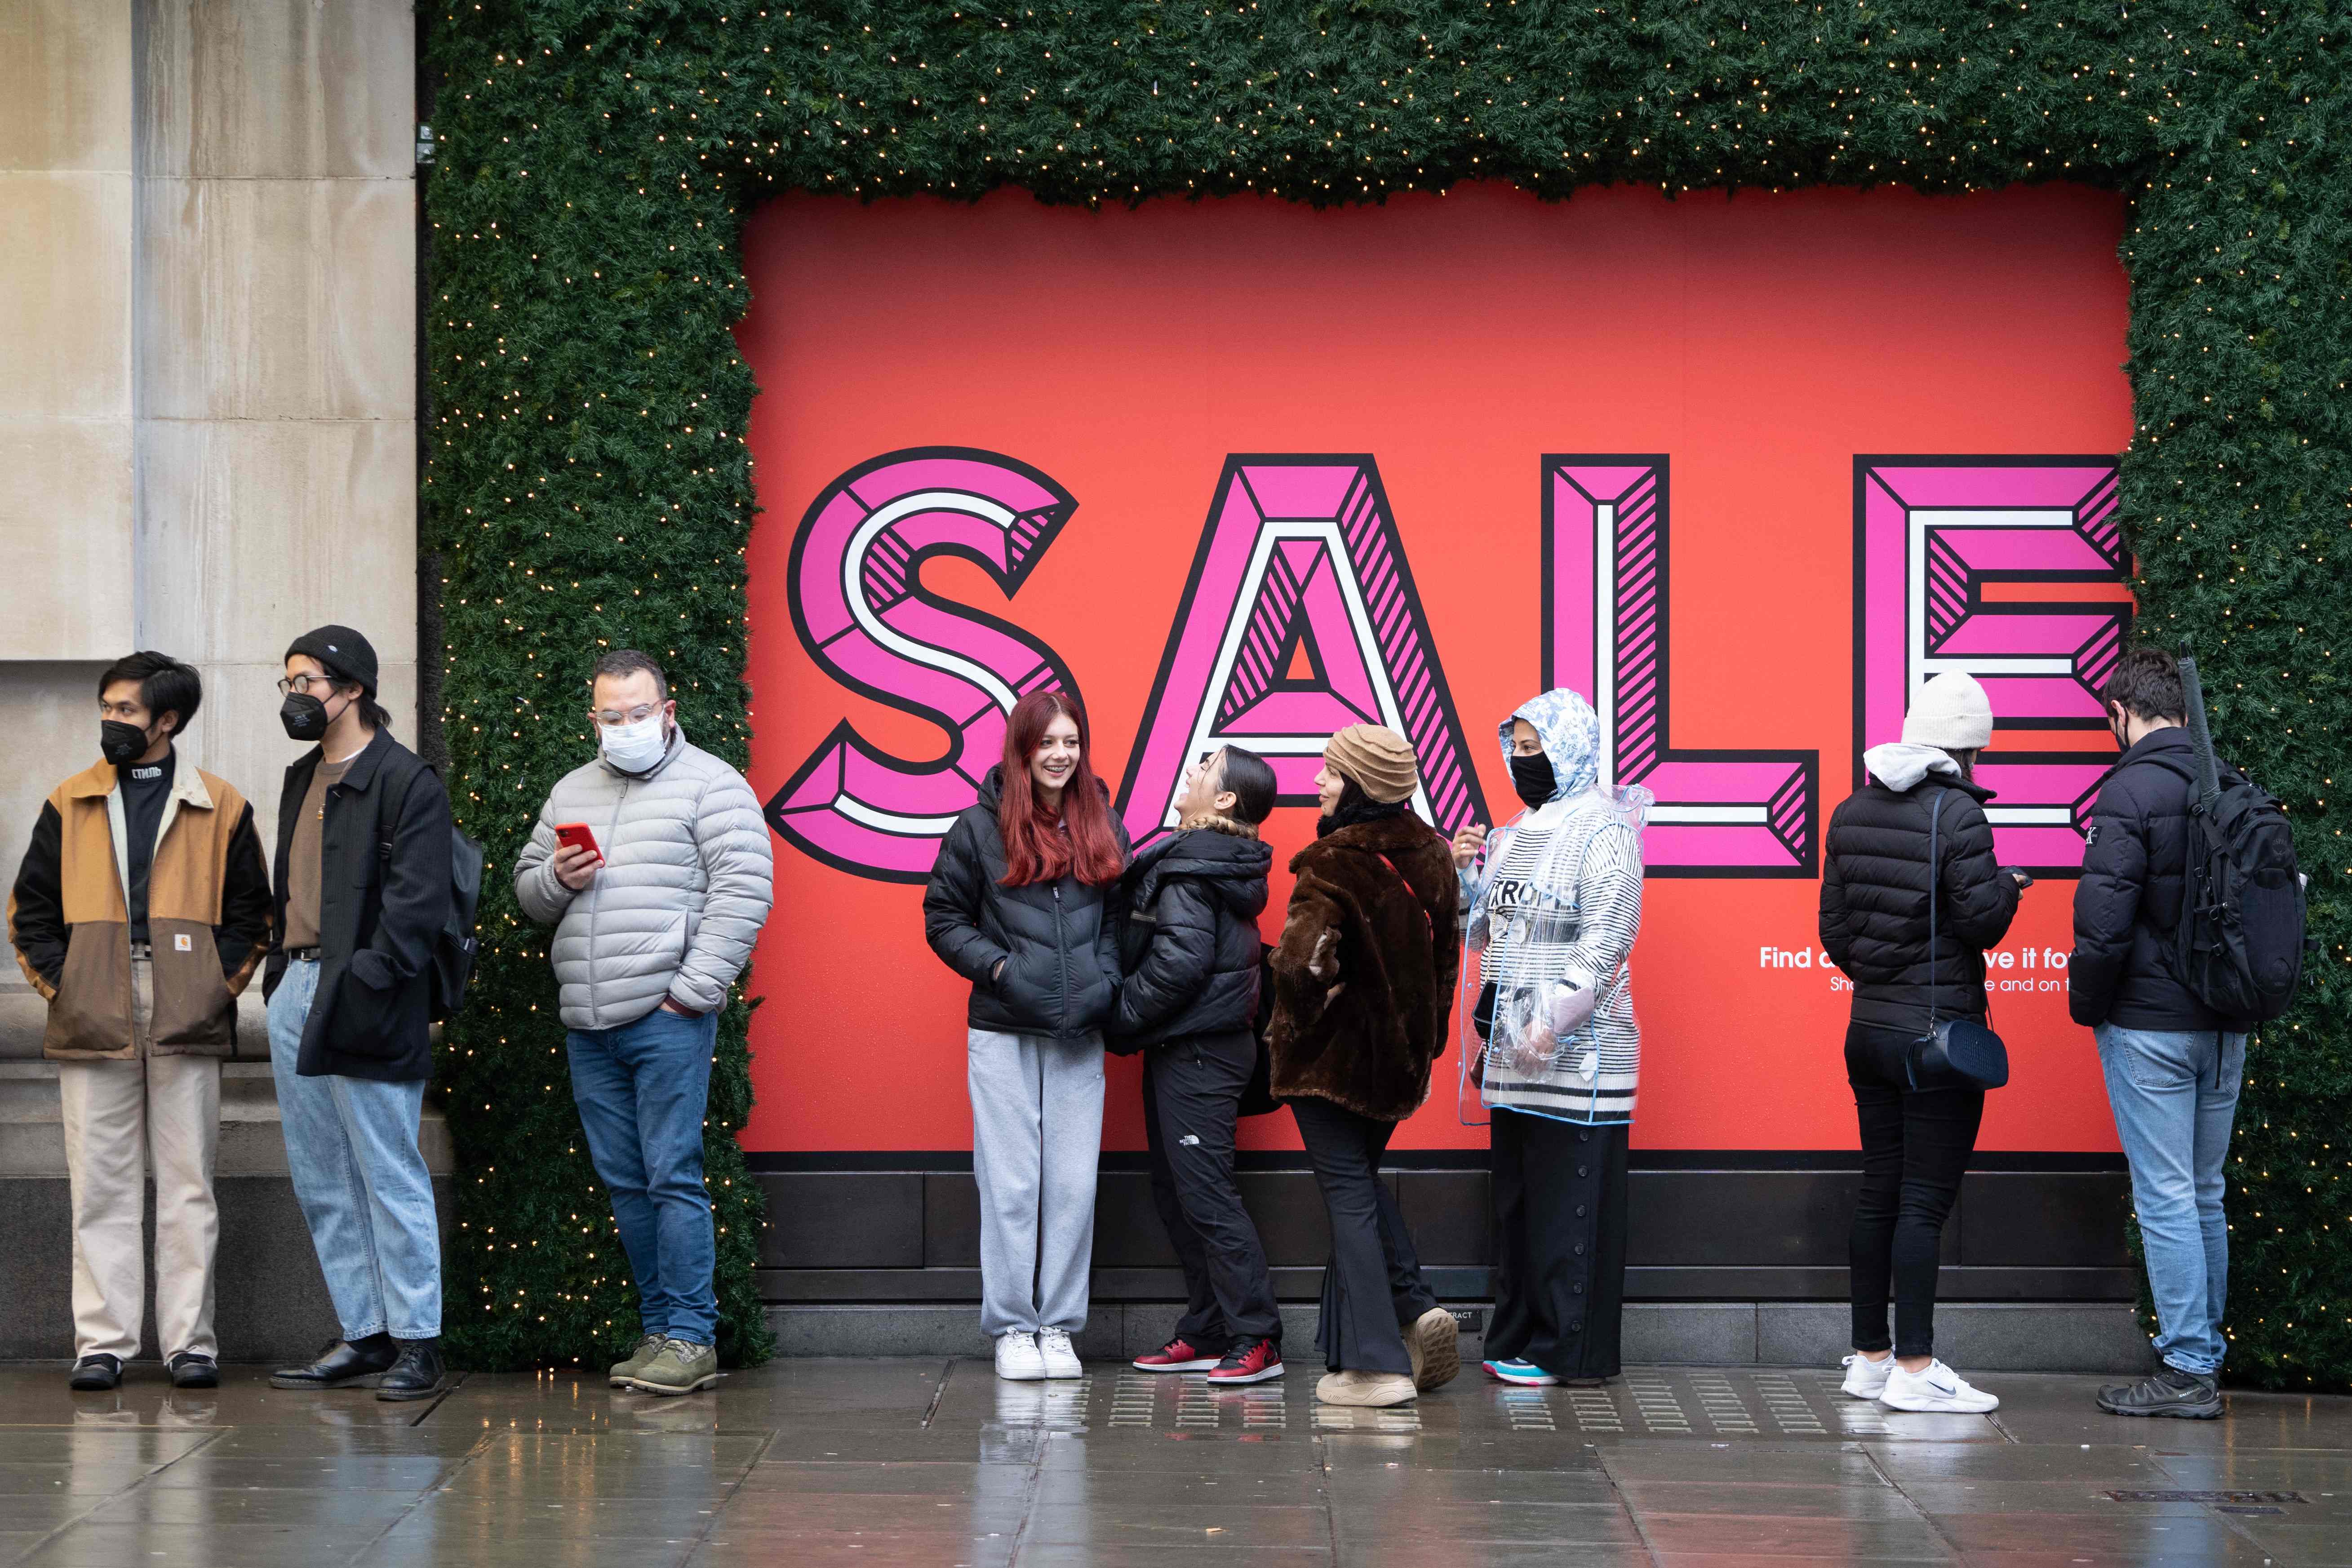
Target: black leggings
x: 1916, y: 1145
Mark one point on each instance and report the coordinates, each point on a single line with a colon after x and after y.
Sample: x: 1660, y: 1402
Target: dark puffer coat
x: 1189, y: 943
x: 1875, y: 901
x: 2127, y: 905
x: 1363, y: 978
x: 1057, y: 939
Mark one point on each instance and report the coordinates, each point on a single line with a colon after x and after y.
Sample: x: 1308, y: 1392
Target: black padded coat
x: 1875, y: 885
x: 1057, y: 939
x: 2127, y: 905
x: 1189, y: 942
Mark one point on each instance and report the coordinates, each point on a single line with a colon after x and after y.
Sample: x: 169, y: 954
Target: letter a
x: 863, y: 614
x: 1299, y: 618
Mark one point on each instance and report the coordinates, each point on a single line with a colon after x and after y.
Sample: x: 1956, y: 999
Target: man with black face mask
x: 363, y: 895
x: 140, y: 913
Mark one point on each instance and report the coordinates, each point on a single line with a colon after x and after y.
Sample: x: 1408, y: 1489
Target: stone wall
x: 208, y: 422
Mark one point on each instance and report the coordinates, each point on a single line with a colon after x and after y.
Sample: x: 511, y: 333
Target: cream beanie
x: 1380, y: 760
x: 1951, y: 712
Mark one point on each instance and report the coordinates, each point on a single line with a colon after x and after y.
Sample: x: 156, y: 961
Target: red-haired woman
x: 1019, y: 906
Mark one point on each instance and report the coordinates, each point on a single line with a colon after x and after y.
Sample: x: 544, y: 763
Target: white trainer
x: 1937, y: 1389
x: 1865, y: 1378
x: 1054, y: 1353
x: 1017, y: 1360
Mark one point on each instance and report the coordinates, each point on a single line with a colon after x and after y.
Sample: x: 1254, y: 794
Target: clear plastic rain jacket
x: 1551, y: 913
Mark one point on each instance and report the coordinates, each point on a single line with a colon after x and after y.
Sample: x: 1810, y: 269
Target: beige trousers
x: 119, y: 1117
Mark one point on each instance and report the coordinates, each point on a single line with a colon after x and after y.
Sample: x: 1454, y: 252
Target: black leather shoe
x: 342, y: 1365
x: 96, y: 1375
x: 2171, y: 1391
x: 190, y: 1370
x: 417, y: 1374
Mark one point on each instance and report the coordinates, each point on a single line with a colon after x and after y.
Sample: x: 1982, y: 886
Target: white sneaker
x: 1017, y: 1358
x: 1865, y: 1378
x: 1937, y: 1388
x: 1056, y: 1357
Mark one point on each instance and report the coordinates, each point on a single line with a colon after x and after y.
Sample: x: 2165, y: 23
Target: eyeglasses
x: 613, y: 718
x: 302, y: 683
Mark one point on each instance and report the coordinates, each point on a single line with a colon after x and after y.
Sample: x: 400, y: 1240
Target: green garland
x: 587, y: 485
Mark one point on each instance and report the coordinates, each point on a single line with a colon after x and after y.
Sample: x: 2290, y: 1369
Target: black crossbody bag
x: 1952, y: 1048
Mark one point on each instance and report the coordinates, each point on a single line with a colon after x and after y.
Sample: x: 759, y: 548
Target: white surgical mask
x: 634, y: 748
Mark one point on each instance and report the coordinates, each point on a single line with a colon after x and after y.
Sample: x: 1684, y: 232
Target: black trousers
x: 1558, y: 1243
x: 1372, y: 1287
x: 1191, y: 1099
x: 1916, y: 1145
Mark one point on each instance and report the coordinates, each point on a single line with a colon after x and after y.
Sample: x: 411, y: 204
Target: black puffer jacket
x: 1057, y: 939
x: 2127, y: 905
x: 1189, y: 943
x: 1875, y: 901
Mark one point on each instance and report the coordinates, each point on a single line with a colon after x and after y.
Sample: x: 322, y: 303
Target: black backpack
x: 452, y: 964
x: 2241, y: 946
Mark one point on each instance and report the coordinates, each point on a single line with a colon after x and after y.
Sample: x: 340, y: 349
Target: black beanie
x: 342, y: 653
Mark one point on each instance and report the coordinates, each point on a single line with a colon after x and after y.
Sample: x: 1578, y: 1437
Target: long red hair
x: 1039, y: 847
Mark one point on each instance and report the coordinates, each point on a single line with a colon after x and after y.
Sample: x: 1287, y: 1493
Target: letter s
x: 863, y: 614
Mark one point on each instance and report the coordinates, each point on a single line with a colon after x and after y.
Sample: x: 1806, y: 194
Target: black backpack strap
x: 389, y: 821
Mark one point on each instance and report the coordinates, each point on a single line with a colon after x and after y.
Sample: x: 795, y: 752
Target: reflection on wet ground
x: 814, y: 1463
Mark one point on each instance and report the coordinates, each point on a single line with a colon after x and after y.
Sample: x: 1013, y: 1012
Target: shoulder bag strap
x: 1935, y: 896
x: 1426, y: 923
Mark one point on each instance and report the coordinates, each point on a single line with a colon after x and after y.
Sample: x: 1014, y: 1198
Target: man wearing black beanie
x: 362, y: 895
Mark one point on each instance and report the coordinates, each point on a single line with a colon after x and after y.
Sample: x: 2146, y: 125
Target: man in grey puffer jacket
x: 655, y: 909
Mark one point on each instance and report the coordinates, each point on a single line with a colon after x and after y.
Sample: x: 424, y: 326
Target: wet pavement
x: 811, y: 1464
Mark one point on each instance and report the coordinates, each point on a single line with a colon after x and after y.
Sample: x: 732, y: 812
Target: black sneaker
x: 190, y: 1370
x: 2171, y: 1391
x: 417, y: 1374
x: 343, y: 1364
x: 96, y: 1375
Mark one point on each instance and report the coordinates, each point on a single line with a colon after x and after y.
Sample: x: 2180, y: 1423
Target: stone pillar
x: 276, y: 319
x: 67, y: 185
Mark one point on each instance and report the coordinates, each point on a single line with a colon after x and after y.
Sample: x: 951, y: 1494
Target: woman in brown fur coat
x: 1363, y: 985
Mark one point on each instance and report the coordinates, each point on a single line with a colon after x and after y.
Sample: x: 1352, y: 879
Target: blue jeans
x: 2175, y: 1095
x: 642, y: 1089
x: 351, y: 1149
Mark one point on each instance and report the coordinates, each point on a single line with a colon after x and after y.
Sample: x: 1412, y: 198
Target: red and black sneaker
x: 1251, y: 1361
x: 1176, y: 1355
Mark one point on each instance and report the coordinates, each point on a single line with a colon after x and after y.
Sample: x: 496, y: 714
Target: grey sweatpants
x: 1036, y: 1135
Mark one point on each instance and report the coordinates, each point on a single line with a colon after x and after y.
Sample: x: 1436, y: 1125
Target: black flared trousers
x: 1372, y: 1287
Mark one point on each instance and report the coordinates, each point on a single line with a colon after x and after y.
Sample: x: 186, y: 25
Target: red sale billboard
x: 1744, y: 472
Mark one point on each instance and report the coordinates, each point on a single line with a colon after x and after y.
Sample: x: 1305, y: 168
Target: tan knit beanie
x: 1379, y: 758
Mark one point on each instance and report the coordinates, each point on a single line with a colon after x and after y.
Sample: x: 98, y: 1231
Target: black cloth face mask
x: 1532, y: 779
x: 121, y: 743
x: 304, y: 716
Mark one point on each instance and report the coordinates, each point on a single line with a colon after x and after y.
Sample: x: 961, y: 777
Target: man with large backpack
x: 363, y: 903
x: 2161, y: 972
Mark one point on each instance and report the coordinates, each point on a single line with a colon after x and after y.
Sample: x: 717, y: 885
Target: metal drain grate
x: 1528, y: 1410
x: 2218, y: 1499
x: 1353, y: 1418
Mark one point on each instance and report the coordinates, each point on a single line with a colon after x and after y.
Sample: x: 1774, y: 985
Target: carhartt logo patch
x: 182, y: 942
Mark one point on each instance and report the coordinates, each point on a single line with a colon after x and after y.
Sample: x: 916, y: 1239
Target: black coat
x: 1189, y: 943
x: 2127, y: 905
x: 1874, y: 888
x: 1057, y: 941
x: 383, y: 900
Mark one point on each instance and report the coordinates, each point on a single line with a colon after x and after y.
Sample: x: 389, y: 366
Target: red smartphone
x: 576, y: 835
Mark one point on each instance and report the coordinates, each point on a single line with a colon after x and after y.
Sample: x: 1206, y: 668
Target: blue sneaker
x: 1520, y: 1371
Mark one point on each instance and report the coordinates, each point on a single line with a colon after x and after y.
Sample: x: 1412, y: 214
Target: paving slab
x: 935, y: 1461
